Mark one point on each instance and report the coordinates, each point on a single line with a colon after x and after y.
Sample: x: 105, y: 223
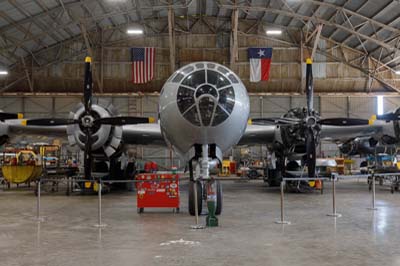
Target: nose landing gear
x: 203, y: 187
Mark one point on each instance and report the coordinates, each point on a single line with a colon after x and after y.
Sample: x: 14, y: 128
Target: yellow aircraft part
x: 20, y: 173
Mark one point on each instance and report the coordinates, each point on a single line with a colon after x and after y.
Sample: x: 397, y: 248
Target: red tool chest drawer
x: 159, y: 190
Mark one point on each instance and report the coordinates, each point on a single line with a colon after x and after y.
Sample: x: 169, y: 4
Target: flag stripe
x: 265, y: 67
x: 143, y: 61
x: 255, y: 70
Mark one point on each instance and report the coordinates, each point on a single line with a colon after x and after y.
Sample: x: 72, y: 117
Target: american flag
x: 142, y: 64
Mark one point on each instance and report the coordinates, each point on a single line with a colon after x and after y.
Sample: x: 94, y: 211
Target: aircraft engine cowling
x: 105, y: 137
x: 359, y: 146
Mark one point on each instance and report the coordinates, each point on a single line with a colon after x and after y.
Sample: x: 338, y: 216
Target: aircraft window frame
x: 178, y: 78
x: 233, y: 79
x: 199, y: 65
x: 221, y: 100
x: 223, y: 70
x: 181, y: 74
x: 210, y: 66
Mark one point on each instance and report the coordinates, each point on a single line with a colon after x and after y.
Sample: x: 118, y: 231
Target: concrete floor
x: 247, y: 234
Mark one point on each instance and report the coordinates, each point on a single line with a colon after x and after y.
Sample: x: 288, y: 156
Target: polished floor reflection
x: 247, y: 234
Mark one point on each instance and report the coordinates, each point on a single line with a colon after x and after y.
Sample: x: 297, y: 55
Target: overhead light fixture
x: 397, y: 72
x: 274, y: 32
x: 134, y: 31
x: 3, y: 72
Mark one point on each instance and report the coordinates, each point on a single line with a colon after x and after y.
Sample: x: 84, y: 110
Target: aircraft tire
x: 191, y: 206
x: 218, y: 210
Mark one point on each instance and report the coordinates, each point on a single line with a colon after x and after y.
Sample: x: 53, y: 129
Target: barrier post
x: 282, y: 220
x: 196, y: 208
x: 38, y: 201
x: 99, y: 224
x: 334, y: 213
x: 373, y: 208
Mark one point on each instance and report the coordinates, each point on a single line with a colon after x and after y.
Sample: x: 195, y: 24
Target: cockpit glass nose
x: 206, y: 89
x: 217, y: 79
x: 206, y: 98
x: 195, y: 79
x: 206, y: 108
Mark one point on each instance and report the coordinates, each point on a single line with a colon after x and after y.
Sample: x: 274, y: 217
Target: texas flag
x: 260, y: 63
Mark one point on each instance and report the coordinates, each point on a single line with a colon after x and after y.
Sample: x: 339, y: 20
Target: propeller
x: 313, y: 128
x: 309, y: 123
x: 88, y: 121
x: 275, y: 121
x: 5, y: 116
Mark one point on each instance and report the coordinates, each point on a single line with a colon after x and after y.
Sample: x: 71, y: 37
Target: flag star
x: 261, y: 53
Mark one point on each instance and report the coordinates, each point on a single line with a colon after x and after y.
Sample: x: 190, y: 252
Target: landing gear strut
x: 206, y: 188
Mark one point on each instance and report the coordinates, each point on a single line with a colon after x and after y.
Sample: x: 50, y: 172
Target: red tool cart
x: 158, y: 190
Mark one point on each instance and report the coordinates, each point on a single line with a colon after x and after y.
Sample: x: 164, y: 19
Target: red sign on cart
x: 157, y: 191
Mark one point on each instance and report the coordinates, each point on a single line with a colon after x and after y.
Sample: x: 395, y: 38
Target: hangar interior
x: 134, y: 108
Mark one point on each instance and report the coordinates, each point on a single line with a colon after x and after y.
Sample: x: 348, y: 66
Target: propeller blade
x: 50, y: 122
x: 88, y: 159
x: 309, y: 86
x: 124, y: 120
x: 5, y: 116
x: 389, y: 117
x: 311, y: 159
x: 344, y: 122
x: 275, y: 121
x: 88, y: 85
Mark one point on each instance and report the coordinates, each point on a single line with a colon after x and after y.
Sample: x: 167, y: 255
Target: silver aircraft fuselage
x: 203, y: 103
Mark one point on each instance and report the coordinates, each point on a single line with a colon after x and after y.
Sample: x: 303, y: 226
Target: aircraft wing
x: 343, y: 134
x: 256, y: 134
x: 267, y: 134
x: 15, y: 127
x: 143, y: 134
x: 138, y: 134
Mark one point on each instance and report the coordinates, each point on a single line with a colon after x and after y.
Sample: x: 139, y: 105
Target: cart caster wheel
x: 140, y: 210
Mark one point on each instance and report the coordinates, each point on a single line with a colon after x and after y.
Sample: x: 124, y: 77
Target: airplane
x: 203, y: 111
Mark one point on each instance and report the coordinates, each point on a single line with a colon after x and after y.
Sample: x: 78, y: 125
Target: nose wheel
x: 202, y: 195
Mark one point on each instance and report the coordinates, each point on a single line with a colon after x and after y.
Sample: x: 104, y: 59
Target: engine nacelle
x: 105, y: 138
x: 360, y: 146
x: 203, y: 103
